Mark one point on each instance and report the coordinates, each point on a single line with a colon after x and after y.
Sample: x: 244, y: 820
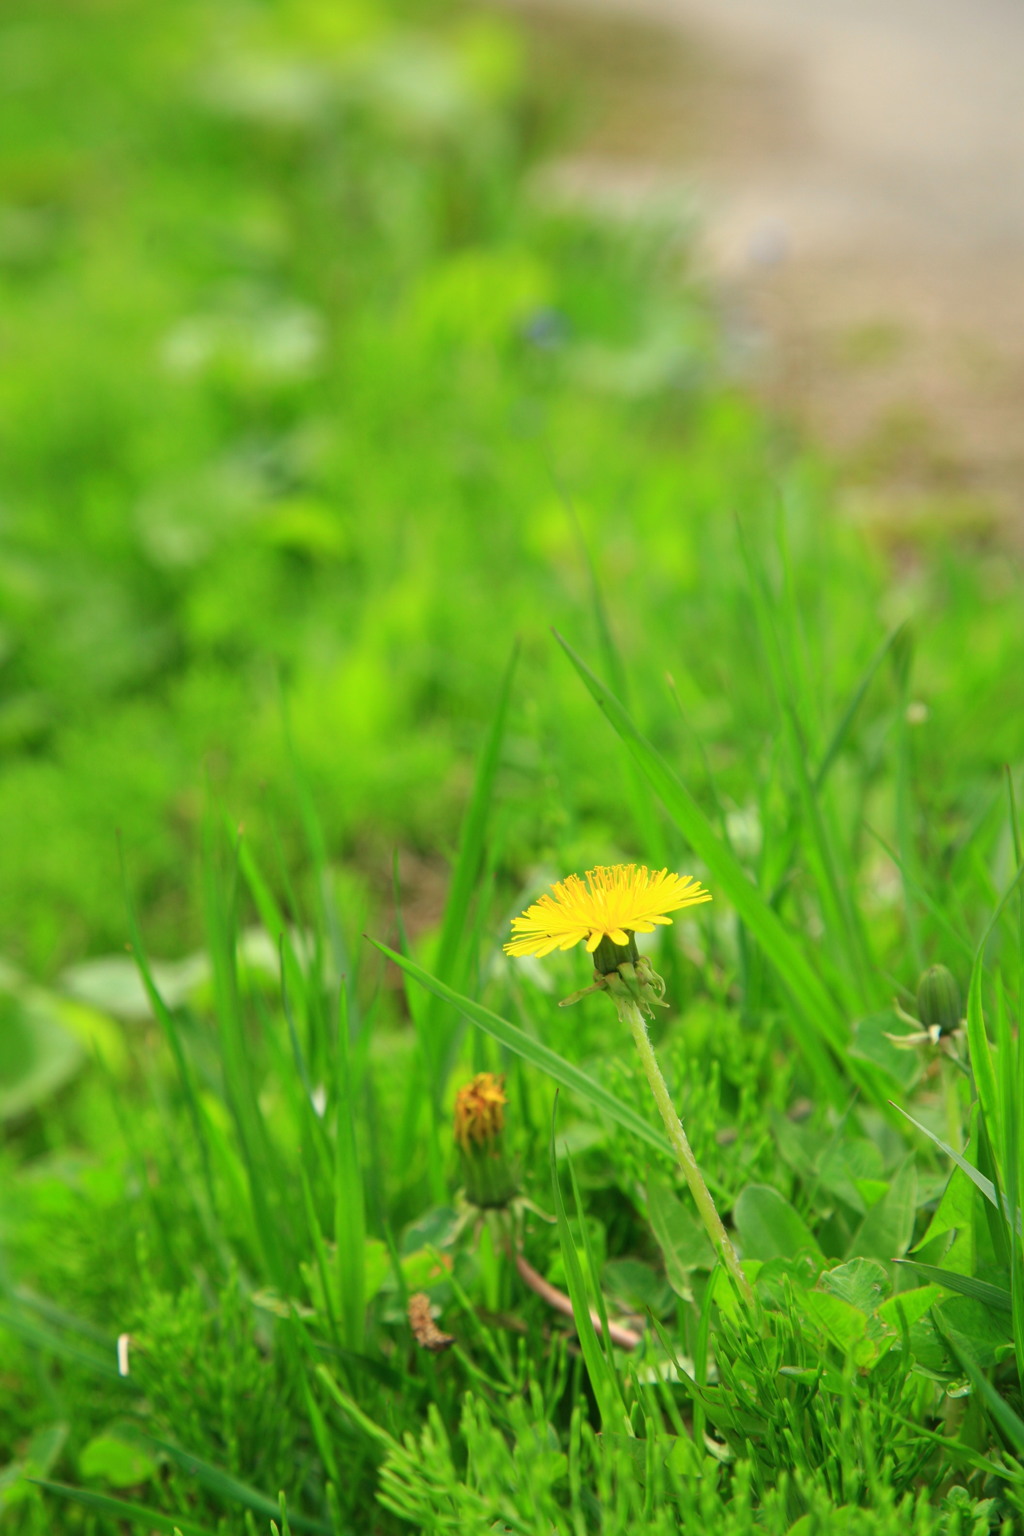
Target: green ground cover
x: 315, y: 418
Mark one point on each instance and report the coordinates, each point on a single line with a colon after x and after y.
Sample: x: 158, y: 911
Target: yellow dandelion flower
x: 479, y: 1110
x: 614, y: 902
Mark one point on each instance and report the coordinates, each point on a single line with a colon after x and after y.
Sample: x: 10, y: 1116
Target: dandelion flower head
x: 479, y: 1110
x: 613, y: 902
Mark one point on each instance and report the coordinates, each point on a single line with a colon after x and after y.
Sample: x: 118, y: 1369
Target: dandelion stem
x: 706, y: 1208
x: 625, y: 1338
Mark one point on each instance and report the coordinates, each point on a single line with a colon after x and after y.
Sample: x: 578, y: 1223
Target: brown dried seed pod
x: 424, y: 1330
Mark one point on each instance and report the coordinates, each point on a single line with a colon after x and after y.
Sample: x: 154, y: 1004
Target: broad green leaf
x: 850, y: 1165
x: 864, y: 1285
x: 802, y: 1146
x: 112, y: 983
x: 38, y: 1054
x: 116, y: 1458
x: 637, y: 1286
x: 908, y: 1307
x: 954, y: 1210
x: 871, y: 1042
x: 844, y: 1324
x: 538, y: 1055
x: 972, y: 1327
x: 862, y: 1282
x: 887, y: 1229
x: 683, y: 1242
x: 770, y: 1228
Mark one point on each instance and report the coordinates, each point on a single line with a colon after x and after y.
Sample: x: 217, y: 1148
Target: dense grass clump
x: 318, y: 418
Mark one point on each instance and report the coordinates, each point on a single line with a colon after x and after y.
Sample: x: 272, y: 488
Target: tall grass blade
x: 980, y: 1182
x: 52, y: 1342
x: 922, y: 895
x: 1010, y: 1423
x: 843, y: 933
x: 981, y: 1054
x: 452, y: 944
x: 538, y: 1055
x: 272, y: 918
x: 603, y: 1377
x: 647, y: 824
x: 172, y: 1035
x: 818, y: 1022
x: 349, y: 1210
x: 145, y: 1520
x: 269, y: 1196
x: 994, y: 1296
x: 842, y: 730
x: 223, y: 1486
x: 905, y: 840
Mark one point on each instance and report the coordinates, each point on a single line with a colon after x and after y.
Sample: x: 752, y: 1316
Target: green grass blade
x: 61, y: 1319
x: 921, y: 894
x: 980, y: 1182
x: 842, y: 730
x: 905, y: 840
x: 468, y: 864
x: 1003, y: 1415
x: 780, y: 645
x: 52, y: 1342
x: 169, y: 1026
x: 223, y: 1486
x: 373, y: 1431
x: 603, y: 1377
x: 316, y: 1239
x: 105, y: 1504
x: 981, y: 1054
x: 541, y: 1056
x: 819, y: 1023
x: 270, y: 1194
x: 965, y: 1285
x: 272, y: 918
x: 982, y: 1065
x: 593, y: 1268
x: 833, y: 890
x: 649, y: 828
x: 349, y: 1209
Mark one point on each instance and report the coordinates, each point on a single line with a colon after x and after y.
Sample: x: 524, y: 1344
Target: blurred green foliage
x: 301, y: 375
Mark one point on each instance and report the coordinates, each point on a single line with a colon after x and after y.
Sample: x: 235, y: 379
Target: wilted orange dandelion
x: 479, y: 1110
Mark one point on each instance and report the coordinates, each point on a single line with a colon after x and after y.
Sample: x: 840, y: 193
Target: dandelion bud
x: 479, y: 1127
x: 938, y: 1000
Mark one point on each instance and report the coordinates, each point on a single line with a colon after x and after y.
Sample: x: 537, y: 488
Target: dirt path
x: 858, y: 169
